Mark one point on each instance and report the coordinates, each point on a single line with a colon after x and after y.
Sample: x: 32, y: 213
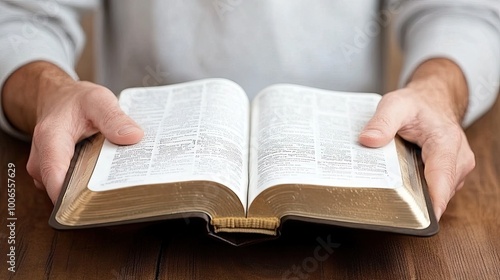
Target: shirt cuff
x: 471, y: 42
x: 17, y: 49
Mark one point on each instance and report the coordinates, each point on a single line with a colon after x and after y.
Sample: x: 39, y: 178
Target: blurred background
x: 85, y: 67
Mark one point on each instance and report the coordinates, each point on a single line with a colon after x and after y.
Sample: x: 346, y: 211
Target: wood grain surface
x: 467, y: 246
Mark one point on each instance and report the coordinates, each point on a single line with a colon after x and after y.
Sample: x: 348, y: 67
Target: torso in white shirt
x: 326, y: 44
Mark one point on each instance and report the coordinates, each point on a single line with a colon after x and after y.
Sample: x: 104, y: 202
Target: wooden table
x: 467, y: 247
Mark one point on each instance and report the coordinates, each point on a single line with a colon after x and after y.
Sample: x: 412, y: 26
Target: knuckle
x: 454, y: 133
x: 110, y: 117
x: 446, y: 136
x: 31, y: 168
x: 96, y: 92
x: 471, y: 160
x: 382, y: 119
x: 393, y: 97
x: 42, y: 130
x: 97, y: 96
x: 103, y: 105
x: 39, y: 185
x: 440, y: 136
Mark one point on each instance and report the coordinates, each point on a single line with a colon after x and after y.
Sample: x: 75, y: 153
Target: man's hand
x: 428, y: 112
x: 41, y: 99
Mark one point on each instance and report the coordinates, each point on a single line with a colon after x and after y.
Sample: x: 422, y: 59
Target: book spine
x: 267, y: 226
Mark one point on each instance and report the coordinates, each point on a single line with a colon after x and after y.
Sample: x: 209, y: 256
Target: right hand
x: 68, y: 111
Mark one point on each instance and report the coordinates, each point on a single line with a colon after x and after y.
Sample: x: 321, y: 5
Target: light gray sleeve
x: 39, y: 30
x: 466, y: 32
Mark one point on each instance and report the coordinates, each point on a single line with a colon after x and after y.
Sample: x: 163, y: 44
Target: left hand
x: 428, y: 112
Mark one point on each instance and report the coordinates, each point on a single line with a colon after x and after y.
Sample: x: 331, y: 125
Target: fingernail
x: 128, y: 129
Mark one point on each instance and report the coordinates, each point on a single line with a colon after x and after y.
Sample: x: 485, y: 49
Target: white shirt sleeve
x: 466, y: 32
x: 39, y: 30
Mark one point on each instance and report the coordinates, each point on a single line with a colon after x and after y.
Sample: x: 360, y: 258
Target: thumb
x: 384, y: 124
x: 113, y: 123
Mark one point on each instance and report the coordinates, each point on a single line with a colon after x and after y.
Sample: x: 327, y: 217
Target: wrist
x: 28, y: 90
x: 50, y: 82
x: 443, y: 84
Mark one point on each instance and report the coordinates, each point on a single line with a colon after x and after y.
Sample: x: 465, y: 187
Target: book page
x: 302, y: 135
x: 193, y: 131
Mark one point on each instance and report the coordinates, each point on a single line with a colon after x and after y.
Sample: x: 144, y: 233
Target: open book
x: 290, y: 154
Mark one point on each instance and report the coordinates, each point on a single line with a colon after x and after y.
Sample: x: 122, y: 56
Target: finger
x: 385, y: 123
x: 448, y: 159
x: 104, y: 112
x: 440, y: 176
x: 50, y: 157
